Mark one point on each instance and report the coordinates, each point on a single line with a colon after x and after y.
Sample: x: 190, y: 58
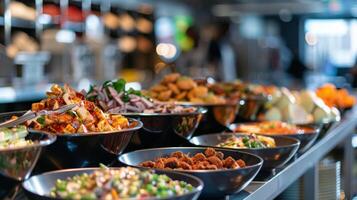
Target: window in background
x: 330, y: 44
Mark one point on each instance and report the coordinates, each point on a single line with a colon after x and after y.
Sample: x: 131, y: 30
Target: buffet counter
x: 226, y: 146
x: 306, y: 165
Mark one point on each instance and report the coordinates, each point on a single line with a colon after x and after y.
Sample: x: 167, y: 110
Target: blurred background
x: 295, y: 43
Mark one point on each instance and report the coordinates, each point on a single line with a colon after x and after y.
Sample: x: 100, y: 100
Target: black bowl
x: 38, y: 187
x: 274, y: 157
x: 217, y: 118
x: 166, y: 129
x: 306, y: 139
x: 16, y: 164
x: 87, y: 149
x: 218, y: 183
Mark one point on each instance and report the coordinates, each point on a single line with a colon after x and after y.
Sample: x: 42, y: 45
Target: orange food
x: 272, y: 128
x: 334, y: 97
x: 86, y: 117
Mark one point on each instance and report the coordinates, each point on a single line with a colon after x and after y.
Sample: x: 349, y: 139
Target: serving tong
x: 31, y: 115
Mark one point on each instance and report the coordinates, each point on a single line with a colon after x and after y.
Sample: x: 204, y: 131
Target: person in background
x: 221, y: 53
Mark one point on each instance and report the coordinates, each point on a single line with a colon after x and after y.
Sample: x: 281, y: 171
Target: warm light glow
x: 166, y: 50
x: 127, y: 44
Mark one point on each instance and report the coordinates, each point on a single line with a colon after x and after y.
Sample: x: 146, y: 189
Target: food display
x: 112, y: 97
x: 121, y: 183
x: 298, y: 107
x: 272, y: 128
x: 237, y: 90
x: 14, y: 137
x: 175, y: 87
x: 248, y: 141
x: 86, y: 117
x: 334, y: 97
x: 209, y: 160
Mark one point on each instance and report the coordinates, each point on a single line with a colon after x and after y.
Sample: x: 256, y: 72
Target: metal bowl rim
x: 226, y: 104
x: 200, y: 110
x: 197, y: 189
x: 316, y: 130
x: 259, y: 164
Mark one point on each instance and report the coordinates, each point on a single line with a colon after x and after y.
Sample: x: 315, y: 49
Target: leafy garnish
x: 119, y: 85
x: 41, y: 120
x: 91, y: 89
x: 133, y: 91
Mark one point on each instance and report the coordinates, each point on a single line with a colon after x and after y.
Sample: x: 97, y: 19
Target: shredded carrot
x: 115, y: 194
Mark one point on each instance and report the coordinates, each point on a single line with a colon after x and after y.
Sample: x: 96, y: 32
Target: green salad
x: 14, y: 137
x: 248, y: 141
x: 120, y: 183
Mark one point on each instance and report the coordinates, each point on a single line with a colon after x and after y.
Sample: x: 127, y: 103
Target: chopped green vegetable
x: 119, y: 183
x: 14, y: 137
x: 41, y: 120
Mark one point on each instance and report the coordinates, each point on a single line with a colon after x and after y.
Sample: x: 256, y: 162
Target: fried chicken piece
x: 211, y: 167
x: 220, y: 155
x: 177, y: 154
x: 229, y: 162
x: 172, y: 163
x: 199, y: 157
x: 186, y: 159
x: 186, y: 83
x: 171, y: 78
x: 234, y: 166
x: 160, y: 164
x: 149, y: 164
x: 241, y: 163
x: 214, y: 160
x: 174, y: 88
x: 210, y: 152
x: 165, y: 95
x: 185, y: 166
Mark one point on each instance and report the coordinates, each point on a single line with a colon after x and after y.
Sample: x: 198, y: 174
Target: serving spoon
x: 31, y: 115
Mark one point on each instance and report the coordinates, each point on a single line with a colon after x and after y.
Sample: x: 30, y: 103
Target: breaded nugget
x: 186, y: 84
x: 164, y: 96
x: 171, y: 78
